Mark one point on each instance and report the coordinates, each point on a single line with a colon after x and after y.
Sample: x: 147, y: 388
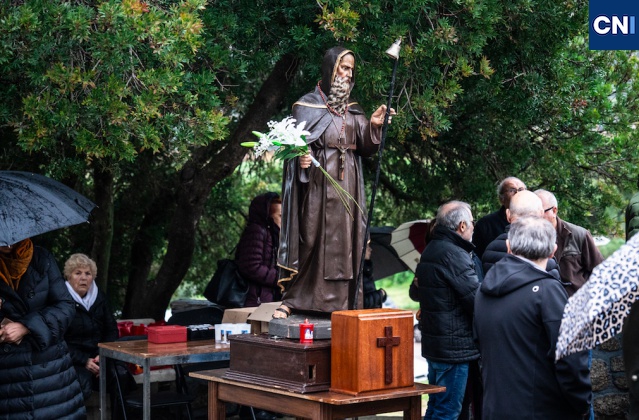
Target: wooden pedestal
x: 372, y: 350
x: 280, y: 363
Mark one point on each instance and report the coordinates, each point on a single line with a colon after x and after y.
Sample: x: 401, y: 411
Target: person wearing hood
x: 321, y: 243
x: 518, y: 311
x: 256, y: 252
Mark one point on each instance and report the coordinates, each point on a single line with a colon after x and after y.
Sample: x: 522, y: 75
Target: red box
x: 167, y: 334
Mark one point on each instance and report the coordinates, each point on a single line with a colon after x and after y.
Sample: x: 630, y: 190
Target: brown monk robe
x: 320, y: 242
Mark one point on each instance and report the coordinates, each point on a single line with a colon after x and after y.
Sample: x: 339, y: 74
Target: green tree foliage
x: 108, y: 79
x: 142, y: 106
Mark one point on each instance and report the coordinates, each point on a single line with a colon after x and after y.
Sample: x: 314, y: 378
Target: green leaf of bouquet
x: 285, y: 155
x: 250, y: 144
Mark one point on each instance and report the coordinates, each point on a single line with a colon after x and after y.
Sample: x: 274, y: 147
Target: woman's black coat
x: 37, y: 379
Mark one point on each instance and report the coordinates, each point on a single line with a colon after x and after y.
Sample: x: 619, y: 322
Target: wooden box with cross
x: 372, y: 350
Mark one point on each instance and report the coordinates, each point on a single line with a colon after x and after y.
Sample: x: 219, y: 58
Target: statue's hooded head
x: 331, y: 61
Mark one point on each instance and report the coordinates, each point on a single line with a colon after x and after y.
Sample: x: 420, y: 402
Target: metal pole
x: 394, y: 53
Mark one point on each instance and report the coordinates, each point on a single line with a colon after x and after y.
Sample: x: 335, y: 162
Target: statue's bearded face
x: 338, y: 96
x: 346, y: 67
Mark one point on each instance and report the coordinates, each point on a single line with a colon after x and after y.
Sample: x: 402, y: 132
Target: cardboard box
x: 261, y: 316
x: 237, y: 315
x: 167, y: 334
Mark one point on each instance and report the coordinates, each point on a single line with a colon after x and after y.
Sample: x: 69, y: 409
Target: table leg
x: 103, y: 399
x: 217, y: 408
x: 414, y: 412
x: 326, y: 412
x: 146, y: 389
x: 319, y: 411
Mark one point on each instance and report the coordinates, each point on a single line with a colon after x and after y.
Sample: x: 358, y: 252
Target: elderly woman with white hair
x: 93, y: 323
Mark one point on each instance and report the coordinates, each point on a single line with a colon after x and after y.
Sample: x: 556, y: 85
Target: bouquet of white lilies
x: 288, y: 141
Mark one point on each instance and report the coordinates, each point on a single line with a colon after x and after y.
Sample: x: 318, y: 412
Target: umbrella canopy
x: 32, y: 204
x: 409, y: 240
x: 595, y: 313
x: 385, y: 260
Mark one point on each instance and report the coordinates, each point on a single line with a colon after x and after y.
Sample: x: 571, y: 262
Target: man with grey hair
x: 577, y: 254
x: 518, y: 310
x: 493, y: 224
x: 525, y: 203
x: 447, y: 283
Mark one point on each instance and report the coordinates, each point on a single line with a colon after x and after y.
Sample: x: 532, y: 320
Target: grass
x: 397, y: 289
x: 611, y: 246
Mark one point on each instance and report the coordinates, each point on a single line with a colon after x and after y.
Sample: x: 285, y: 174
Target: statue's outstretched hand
x: 377, y: 119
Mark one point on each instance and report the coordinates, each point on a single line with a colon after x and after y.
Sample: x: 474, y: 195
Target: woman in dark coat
x: 93, y: 322
x: 37, y: 380
x: 256, y: 253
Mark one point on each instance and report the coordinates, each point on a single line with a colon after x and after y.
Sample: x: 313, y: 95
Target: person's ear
x: 508, y: 215
x: 461, y: 227
x: 508, y: 246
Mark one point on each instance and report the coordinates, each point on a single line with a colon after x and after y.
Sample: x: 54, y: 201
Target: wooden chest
x: 372, y: 349
x: 280, y: 363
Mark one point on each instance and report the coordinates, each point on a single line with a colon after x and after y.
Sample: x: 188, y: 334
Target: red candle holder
x: 306, y: 332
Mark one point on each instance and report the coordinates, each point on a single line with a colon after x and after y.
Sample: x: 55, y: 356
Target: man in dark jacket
x: 446, y: 290
x: 493, y: 224
x: 518, y: 310
x: 523, y: 204
x: 577, y: 254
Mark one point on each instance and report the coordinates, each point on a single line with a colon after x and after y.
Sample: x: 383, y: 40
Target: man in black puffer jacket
x: 447, y: 283
x: 525, y: 203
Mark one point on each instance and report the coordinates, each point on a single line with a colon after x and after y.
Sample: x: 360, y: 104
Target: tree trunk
x: 208, y: 166
x: 102, y: 224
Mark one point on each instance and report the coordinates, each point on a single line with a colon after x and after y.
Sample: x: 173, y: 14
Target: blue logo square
x: 613, y: 24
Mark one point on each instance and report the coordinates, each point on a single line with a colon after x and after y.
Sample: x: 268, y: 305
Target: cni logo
x: 604, y: 25
x: 611, y: 25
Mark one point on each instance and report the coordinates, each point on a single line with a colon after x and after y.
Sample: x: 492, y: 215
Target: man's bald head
x: 509, y: 187
x: 524, y: 203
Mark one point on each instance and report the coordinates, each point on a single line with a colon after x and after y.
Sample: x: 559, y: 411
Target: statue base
x: 290, y: 327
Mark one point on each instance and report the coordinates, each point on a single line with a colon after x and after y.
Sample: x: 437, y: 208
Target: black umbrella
x: 32, y: 204
x: 385, y: 260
